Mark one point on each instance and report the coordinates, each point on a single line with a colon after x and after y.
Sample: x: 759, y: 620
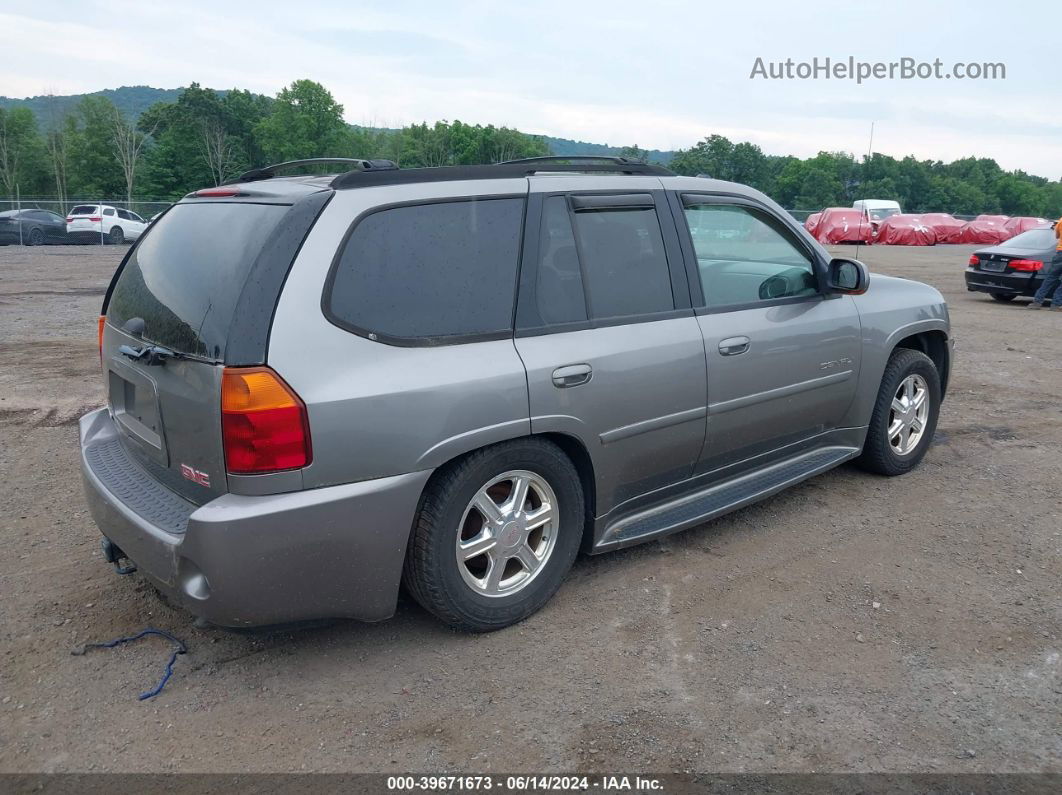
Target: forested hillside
x: 143, y: 142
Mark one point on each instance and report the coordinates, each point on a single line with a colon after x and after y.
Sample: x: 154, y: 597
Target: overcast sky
x: 661, y: 74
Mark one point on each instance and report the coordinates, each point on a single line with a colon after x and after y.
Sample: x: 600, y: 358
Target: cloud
x: 663, y: 75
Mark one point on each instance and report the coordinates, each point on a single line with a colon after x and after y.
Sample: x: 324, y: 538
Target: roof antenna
x: 863, y: 208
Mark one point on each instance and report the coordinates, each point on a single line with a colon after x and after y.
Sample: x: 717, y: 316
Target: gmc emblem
x: 194, y: 475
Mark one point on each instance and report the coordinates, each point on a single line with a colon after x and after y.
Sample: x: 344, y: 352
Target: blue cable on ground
x: 180, y: 649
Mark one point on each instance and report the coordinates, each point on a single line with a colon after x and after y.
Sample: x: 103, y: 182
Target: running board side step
x: 691, y: 509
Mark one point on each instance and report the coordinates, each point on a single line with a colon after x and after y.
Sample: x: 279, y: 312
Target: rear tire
x: 444, y: 571
x: 1003, y: 298
x: 116, y: 236
x: 908, y: 374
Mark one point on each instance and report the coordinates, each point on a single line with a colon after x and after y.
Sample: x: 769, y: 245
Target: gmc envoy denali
x: 323, y: 387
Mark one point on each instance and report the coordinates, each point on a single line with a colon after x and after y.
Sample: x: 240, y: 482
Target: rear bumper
x: 1003, y: 283
x: 85, y: 236
x: 251, y: 561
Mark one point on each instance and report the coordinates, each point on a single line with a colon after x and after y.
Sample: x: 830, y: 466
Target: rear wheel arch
x: 584, y: 465
x: 428, y: 573
x: 571, y: 446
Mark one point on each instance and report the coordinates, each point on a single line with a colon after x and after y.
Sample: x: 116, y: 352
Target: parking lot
x: 853, y: 623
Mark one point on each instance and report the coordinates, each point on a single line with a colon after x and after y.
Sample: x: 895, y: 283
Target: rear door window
x: 620, y: 245
x: 184, y: 278
x: 439, y: 272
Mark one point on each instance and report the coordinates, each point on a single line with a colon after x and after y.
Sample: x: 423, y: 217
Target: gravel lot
x: 853, y: 623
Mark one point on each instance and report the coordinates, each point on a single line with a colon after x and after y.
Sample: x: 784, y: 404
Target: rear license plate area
x: 135, y: 405
x: 995, y: 266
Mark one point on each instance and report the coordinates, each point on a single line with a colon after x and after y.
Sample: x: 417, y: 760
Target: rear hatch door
x: 168, y: 320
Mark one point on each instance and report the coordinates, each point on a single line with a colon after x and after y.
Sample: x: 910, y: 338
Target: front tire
x: 496, y: 533
x: 36, y: 238
x: 905, y: 414
x: 1003, y: 298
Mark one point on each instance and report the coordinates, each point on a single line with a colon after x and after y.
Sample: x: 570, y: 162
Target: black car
x: 1013, y: 268
x: 38, y: 227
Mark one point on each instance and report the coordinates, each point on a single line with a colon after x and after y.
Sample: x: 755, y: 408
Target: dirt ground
x: 853, y: 623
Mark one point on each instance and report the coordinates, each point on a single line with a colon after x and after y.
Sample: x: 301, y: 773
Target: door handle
x: 732, y: 346
x: 571, y: 375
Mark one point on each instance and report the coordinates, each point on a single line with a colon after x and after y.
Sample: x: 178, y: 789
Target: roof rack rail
x: 625, y: 161
x: 509, y: 170
x: 268, y: 172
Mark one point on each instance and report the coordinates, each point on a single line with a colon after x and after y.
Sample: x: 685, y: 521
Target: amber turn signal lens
x: 99, y: 333
x: 264, y: 424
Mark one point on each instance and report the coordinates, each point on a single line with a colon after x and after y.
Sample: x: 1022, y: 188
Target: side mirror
x: 848, y: 276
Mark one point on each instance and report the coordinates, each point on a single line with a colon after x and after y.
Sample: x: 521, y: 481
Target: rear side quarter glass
x: 429, y: 273
x: 558, y: 289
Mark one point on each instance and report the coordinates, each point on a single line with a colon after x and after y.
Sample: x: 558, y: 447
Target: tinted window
x: 430, y: 270
x: 124, y: 214
x: 184, y: 278
x: 743, y: 256
x: 559, y: 282
x: 624, y: 265
x: 84, y: 209
x: 109, y: 211
x: 1033, y: 239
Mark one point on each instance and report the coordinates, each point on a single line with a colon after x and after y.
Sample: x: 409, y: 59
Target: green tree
x: 306, y: 121
x: 635, y: 153
x: 94, y: 169
x: 23, y: 160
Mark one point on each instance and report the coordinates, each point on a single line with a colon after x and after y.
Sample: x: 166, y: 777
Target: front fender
x: 891, y: 311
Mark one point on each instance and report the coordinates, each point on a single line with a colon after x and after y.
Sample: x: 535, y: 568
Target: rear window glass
x: 183, y: 278
x: 84, y: 209
x: 426, y: 271
x: 1034, y: 238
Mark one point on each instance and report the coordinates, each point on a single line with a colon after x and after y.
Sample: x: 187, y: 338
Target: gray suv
x: 320, y: 388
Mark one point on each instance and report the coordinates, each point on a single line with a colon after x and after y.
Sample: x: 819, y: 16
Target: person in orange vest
x: 1052, y: 278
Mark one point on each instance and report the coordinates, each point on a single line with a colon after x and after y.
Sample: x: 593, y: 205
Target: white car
x: 102, y: 223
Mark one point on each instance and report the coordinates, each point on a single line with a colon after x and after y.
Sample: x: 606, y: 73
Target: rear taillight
x: 264, y: 424
x: 69, y: 219
x: 96, y: 218
x: 99, y: 334
x: 1026, y: 265
x: 974, y: 260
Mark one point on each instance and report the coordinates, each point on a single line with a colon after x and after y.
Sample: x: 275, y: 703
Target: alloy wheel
x: 507, y: 533
x: 908, y: 414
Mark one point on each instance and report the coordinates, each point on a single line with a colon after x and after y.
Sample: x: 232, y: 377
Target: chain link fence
x: 145, y: 208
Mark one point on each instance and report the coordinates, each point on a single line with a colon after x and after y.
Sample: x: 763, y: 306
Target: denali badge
x: 834, y: 364
x: 194, y: 475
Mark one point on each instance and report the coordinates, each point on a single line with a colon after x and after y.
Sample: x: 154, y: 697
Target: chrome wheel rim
x: 908, y: 414
x: 507, y: 533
